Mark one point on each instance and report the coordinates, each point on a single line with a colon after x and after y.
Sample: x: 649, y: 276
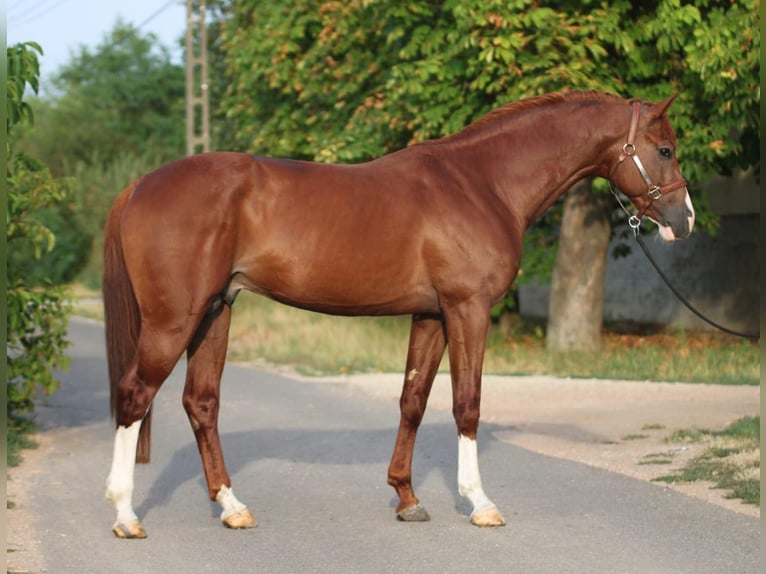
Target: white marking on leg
x: 228, y: 502
x: 468, y: 478
x: 119, y: 484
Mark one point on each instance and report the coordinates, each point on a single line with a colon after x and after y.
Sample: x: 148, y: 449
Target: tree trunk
x: 576, y: 307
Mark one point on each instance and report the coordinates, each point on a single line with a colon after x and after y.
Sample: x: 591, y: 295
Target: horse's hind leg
x: 155, y: 358
x: 206, y: 355
x: 119, y: 485
x: 426, y: 347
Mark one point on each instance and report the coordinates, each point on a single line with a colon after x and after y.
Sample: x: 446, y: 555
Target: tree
x: 37, y: 311
x: 353, y: 80
x: 116, y: 113
x: 576, y: 309
x: 125, y: 97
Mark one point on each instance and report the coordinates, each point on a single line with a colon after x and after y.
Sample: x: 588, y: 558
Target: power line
x: 157, y: 13
x: 31, y: 15
x: 39, y: 9
x: 25, y: 10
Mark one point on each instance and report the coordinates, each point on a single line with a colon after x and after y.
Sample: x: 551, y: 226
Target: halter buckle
x: 654, y: 192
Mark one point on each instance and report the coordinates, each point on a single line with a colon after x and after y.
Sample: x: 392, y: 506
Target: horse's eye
x: 666, y: 152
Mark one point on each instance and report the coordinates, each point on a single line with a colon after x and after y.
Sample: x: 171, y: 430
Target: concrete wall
x: 719, y: 275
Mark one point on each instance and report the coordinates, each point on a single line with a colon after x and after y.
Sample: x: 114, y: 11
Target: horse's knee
x: 466, y: 418
x: 412, y: 410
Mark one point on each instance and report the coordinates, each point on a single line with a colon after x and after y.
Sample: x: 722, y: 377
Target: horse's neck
x: 533, y: 159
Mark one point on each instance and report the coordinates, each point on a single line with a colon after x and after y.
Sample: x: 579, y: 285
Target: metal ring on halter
x: 629, y: 148
x: 634, y: 222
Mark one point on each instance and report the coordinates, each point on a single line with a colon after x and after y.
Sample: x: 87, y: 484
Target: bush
x: 38, y: 310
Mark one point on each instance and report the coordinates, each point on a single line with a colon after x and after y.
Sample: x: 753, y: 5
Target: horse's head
x: 647, y: 172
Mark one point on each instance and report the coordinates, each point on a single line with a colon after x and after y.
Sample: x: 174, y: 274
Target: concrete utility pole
x: 197, y: 93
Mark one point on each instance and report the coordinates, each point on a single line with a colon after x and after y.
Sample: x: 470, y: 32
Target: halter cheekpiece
x: 653, y: 190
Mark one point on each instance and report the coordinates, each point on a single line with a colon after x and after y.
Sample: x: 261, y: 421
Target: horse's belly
x: 340, y: 288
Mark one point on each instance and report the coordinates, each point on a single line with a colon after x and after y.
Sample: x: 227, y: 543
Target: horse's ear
x: 659, y: 108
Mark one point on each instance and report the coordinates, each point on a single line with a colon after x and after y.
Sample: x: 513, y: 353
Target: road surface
x: 310, y: 460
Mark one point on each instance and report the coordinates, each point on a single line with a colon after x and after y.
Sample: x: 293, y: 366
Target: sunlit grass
x: 731, y: 461
x: 267, y: 332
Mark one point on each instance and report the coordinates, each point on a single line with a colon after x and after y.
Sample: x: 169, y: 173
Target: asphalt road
x: 310, y: 461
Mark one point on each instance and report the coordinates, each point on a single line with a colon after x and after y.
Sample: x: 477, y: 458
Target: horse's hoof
x: 132, y: 529
x: 240, y: 519
x: 488, y: 517
x: 413, y: 514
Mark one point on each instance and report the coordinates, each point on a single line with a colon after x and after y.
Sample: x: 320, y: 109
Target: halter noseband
x: 652, y: 190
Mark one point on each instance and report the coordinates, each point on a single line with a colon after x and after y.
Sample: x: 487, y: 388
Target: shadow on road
x: 303, y: 453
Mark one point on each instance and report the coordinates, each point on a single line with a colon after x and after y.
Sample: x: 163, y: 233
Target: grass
x: 267, y: 332
x: 635, y: 436
x: 318, y: 344
x: 657, y: 458
x: 19, y: 431
x: 731, y: 461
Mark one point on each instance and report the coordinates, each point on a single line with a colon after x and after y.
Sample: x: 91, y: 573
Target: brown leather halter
x: 653, y: 191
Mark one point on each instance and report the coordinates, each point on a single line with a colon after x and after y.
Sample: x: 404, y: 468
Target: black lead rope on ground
x: 683, y: 300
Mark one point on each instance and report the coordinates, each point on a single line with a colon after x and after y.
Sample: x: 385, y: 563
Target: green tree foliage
x: 37, y: 310
x: 116, y: 112
x: 124, y: 97
x: 353, y: 80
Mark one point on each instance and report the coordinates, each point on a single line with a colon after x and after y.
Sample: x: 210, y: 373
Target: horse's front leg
x: 206, y: 358
x: 427, y: 342
x: 467, y: 325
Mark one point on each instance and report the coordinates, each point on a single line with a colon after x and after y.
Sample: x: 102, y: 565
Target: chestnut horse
x: 433, y: 231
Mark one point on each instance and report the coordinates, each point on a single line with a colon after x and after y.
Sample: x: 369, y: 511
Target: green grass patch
x: 720, y: 464
x: 635, y: 436
x: 19, y: 431
x: 723, y: 452
x: 656, y: 458
x: 654, y: 426
x: 686, y: 436
x: 746, y: 428
x: 748, y: 490
x: 703, y: 468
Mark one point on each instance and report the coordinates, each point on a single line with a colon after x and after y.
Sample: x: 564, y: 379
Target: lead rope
x: 635, y: 225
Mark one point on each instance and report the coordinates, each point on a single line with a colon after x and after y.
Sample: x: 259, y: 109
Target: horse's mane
x: 519, y: 106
